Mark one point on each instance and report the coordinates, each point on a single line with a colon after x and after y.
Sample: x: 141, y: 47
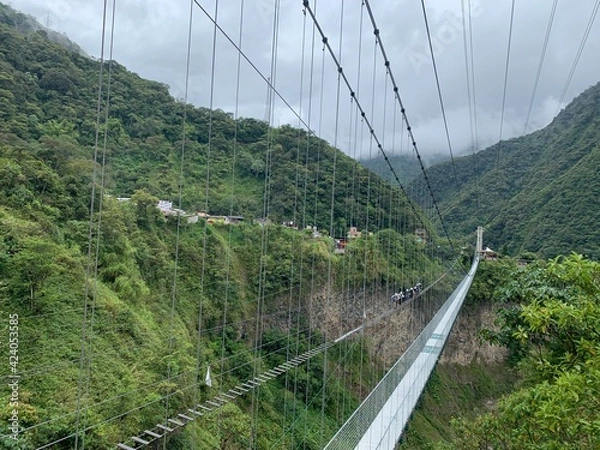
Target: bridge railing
x: 351, y: 433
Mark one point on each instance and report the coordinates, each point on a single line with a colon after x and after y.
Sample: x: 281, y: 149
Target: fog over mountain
x: 150, y: 38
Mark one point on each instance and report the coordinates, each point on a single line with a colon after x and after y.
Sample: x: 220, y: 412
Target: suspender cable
x: 231, y: 209
x: 329, y: 288
x: 470, y: 78
x: 100, y: 207
x: 584, y: 39
x: 439, y: 89
x: 171, y: 345
x: 371, y: 251
x: 353, y: 94
x: 390, y: 205
x: 298, y: 239
x: 472, y: 60
x: 311, y: 396
x: 296, y: 249
x: 507, y: 65
x: 307, y: 222
x: 92, y: 259
x: 541, y: 63
x: 260, y: 303
x: 468, y: 70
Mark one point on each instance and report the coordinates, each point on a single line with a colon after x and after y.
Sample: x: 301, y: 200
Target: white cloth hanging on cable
x: 207, y: 378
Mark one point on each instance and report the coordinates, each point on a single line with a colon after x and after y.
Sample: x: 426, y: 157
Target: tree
x: 56, y: 128
x: 34, y: 264
x: 557, y: 325
x: 146, y: 211
x: 57, y: 80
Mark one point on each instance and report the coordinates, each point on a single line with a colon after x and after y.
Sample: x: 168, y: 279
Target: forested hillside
x: 109, y: 306
x: 48, y: 92
x: 536, y: 193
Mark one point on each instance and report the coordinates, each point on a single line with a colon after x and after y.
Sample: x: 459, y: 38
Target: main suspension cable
x: 354, y: 96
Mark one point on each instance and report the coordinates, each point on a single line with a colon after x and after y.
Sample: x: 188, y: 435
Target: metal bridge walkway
x: 379, y: 421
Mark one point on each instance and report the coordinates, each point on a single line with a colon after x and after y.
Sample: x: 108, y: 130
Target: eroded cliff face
x: 390, y: 329
x: 470, y: 375
x: 464, y: 345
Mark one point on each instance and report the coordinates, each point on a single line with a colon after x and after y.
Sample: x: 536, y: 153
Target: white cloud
x: 151, y: 36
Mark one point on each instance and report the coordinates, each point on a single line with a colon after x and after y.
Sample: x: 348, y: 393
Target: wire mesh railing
x: 428, y: 345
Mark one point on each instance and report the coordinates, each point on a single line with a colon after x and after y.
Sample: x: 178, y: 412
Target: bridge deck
x: 409, y: 375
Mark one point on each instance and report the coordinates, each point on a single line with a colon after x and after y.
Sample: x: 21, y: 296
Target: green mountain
x: 109, y: 306
x: 536, y: 193
x: 26, y: 24
x: 48, y: 91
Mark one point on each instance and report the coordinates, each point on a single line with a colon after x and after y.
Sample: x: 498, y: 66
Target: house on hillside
x: 165, y: 206
x: 353, y: 233
x: 340, y: 246
x: 315, y: 232
x: 233, y: 219
x: 489, y: 254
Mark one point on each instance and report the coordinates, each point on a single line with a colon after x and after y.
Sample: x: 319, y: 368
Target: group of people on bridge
x: 403, y: 294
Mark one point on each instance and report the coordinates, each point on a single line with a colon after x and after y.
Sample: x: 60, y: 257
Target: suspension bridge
x: 311, y: 322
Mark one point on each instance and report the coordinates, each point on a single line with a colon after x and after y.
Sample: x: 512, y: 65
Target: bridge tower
x: 479, y: 248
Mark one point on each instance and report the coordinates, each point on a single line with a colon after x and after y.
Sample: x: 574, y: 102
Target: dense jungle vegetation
x: 550, y: 321
x: 145, y: 313
x: 546, y: 397
x: 142, y: 320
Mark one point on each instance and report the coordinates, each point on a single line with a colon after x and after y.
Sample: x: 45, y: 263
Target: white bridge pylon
x: 377, y: 424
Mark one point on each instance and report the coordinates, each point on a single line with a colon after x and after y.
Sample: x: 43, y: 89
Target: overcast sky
x: 150, y: 38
